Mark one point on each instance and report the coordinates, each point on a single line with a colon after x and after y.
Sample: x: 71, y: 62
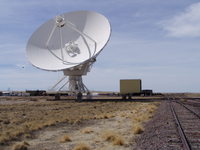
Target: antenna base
x: 74, y: 84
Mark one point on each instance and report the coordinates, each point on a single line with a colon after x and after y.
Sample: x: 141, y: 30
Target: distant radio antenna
x: 70, y: 42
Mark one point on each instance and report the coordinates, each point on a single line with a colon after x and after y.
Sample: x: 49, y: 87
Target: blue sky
x: 153, y: 40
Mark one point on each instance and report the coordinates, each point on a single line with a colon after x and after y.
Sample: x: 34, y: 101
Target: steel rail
x: 189, y: 109
x: 186, y: 144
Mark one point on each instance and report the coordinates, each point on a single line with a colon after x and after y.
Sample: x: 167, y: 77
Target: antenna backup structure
x: 70, y: 43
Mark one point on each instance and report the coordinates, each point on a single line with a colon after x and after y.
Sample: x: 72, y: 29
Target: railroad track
x: 193, y: 104
x: 188, y: 125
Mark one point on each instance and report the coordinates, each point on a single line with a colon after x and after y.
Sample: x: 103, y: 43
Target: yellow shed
x: 130, y: 86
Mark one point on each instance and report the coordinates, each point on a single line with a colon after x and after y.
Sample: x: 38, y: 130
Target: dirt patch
x: 94, y: 138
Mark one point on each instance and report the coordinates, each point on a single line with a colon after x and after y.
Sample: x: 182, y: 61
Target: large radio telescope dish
x: 70, y: 43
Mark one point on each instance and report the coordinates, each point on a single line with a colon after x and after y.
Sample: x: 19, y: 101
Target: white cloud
x: 185, y: 24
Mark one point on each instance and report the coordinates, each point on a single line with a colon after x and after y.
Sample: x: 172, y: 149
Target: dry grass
x: 152, y: 108
x: 82, y: 146
x: 144, y: 114
x: 104, y: 116
x: 64, y: 139
x: 22, y: 118
x: 21, y: 146
x: 113, y: 137
x: 138, y: 128
x: 87, y: 130
x: 119, y: 141
x: 141, y: 115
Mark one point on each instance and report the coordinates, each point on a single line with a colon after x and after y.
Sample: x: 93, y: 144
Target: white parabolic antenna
x: 70, y: 43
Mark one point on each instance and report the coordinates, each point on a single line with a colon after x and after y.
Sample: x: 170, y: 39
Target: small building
x: 36, y: 92
x: 6, y: 93
x: 147, y: 92
x: 130, y: 86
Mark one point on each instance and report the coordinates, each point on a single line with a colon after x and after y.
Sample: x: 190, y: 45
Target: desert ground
x: 38, y: 123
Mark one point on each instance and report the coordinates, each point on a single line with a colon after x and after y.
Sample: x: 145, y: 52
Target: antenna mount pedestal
x: 76, y: 84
